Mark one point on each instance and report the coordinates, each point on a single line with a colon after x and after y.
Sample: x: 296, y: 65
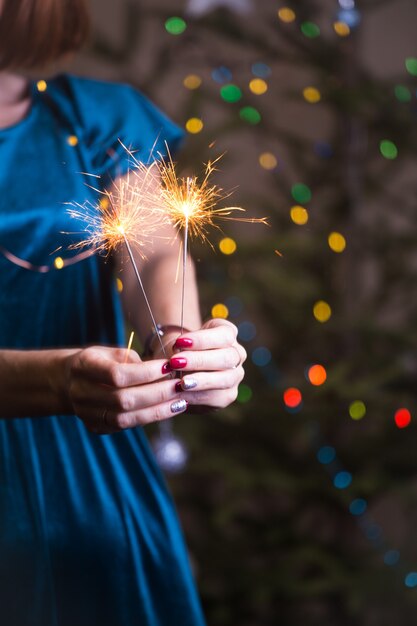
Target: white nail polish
x: 188, y: 383
x: 178, y: 406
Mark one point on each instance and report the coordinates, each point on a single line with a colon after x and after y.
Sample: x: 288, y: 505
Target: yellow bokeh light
x: 286, y: 15
x: 192, y: 81
x: 312, y: 95
x: 341, y: 29
x: 299, y: 215
x: 227, y: 245
x: 104, y: 202
x: 194, y: 125
x: 59, y: 263
x: 337, y: 242
x: 220, y: 310
x: 322, y: 311
x: 119, y: 285
x: 258, y: 86
x: 267, y: 160
x: 72, y: 140
x: 41, y: 85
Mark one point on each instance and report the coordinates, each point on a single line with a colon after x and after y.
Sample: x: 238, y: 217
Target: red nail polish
x: 183, y: 342
x: 178, y: 387
x: 177, y: 362
x: 166, y: 368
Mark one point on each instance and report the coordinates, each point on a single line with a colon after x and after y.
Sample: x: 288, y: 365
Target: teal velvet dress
x: 88, y: 532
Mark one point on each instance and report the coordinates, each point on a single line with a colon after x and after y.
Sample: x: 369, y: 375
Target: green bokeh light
x: 402, y: 93
x: 301, y: 193
x: 175, y: 25
x: 231, y: 93
x: 310, y: 30
x: 357, y: 410
x: 388, y: 149
x: 250, y: 115
x: 244, y: 394
x: 411, y: 65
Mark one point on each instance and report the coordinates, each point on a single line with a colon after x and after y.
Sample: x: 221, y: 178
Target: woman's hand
x: 109, y: 394
x: 211, y: 361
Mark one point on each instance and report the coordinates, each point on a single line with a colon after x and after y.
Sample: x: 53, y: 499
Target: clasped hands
x: 109, y: 394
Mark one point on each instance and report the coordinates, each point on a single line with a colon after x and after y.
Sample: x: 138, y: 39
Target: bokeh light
x: 261, y: 69
x: 317, y: 375
x: 411, y: 580
x: 268, y: 161
x: 402, y: 418
x: 301, y: 193
x: 119, y: 285
x: 299, y: 215
x: 194, y: 125
x: 258, y: 86
x: 222, y: 74
x: 250, y: 115
x: 261, y: 356
x: 358, y: 506
x: 357, y: 410
x: 292, y: 397
x: 326, y: 455
x: 244, y: 393
x: 337, y: 242
x: 41, y: 85
x: 175, y: 25
x: 402, y: 93
x: 220, y: 310
x: 192, y: 81
x: 388, y: 149
x: 72, y: 141
x: 231, y: 93
x: 342, y: 480
x: 311, y: 95
x: 246, y: 331
x: 310, y: 30
x: 286, y: 15
x: 411, y: 65
x: 322, y: 311
x: 227, y: 245
x: 391, y: 557
x: 341, y: 28
x: 59, y: 263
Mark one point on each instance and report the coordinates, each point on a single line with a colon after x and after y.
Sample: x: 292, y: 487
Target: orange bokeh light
x: 292, y: 397
x: 317, y: 375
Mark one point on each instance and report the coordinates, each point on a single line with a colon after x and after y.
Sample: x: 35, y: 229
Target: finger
x: 93, y: 395
x: 160, y: 412
x: 207, y: 360
x: 214, y: 398
x: 97, y: 366
x: 203, y: 381
x: 208, y: 338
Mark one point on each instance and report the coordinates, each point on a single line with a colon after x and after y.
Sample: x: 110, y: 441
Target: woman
x: 88, y: 532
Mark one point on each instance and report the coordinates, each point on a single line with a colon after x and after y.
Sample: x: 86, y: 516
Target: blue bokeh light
x: 326, y: 455
x: 261, y: 356
x: 358, y: 506
x: 342, y: 480
x: 247, y: 331
x: 261, y: 69
x: 391, y: 557
x: 222, y: 74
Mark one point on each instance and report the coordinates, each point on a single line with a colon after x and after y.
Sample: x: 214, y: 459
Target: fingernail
x: 177, y: 362
x: 166, y: 368
x: 188, y: 383
x: 185, y: 384
x: 183, y: 342
x: 178, y: 406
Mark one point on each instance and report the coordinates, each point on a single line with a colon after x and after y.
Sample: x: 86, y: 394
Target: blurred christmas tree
x: 298, y: 502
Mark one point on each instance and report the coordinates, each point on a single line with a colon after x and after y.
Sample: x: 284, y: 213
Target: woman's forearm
x: 32, y: 382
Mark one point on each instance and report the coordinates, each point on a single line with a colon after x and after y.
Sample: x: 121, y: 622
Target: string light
x: 192, y: 81
x: 286, y: 15
x: 322, y: 311
x: 194, y: 125
x: 258, y: 86
x: 220, y: 310
x: 227, y: 246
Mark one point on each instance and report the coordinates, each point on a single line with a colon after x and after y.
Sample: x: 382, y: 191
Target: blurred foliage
x: 271, y: 539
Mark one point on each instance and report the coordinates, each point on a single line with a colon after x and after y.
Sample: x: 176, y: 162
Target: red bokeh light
x: 292, y: 397
x: 402, y: 418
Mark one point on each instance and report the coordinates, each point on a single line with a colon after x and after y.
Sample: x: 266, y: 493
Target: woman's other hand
x: 110, y: 393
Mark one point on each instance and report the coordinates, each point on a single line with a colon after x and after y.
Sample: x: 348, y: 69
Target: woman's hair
x: 35, y: 33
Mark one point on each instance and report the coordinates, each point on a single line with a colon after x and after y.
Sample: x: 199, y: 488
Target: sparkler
x: 192, y: 207
x: 128, y: 214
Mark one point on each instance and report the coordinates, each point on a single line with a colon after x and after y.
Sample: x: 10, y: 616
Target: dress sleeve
x: 114, y: 114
